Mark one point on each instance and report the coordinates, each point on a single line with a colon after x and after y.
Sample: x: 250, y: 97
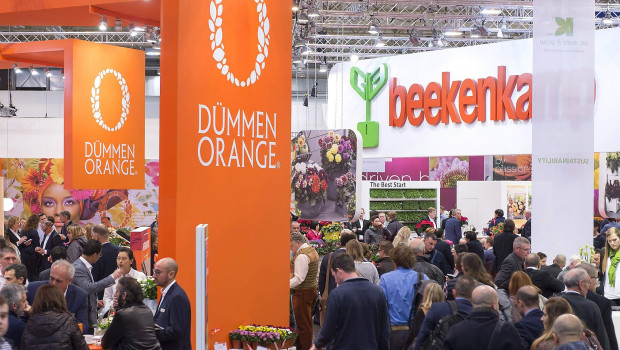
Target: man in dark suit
x: 453, y: 230
x: 526, y: 230
x: 433, y: 256
x: 56, y: 253
x: 324, y: 275
x: 530, y: 326
x: 50, y: 240
x: 65, y: 218
x: 502, y: 244
x: 15, y: 296
x: 577, y: 284
x: 542, y: 279
x: 174, y: 313
x: 513, y: 262
x: 464, y: 288
x: 558, y: 264
x: 84, y: 279
x: 444, y: 248
x: 107, y: 263
x: 61, y: 276
x: 598, y: 240
x: 489, y: 257
x: 604, y: 304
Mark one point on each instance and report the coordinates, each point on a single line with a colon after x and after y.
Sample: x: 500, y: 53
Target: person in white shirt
x: 124, y: 260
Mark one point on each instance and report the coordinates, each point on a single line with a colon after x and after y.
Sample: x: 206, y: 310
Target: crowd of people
x: 423, y: 293
x: 59, y: 283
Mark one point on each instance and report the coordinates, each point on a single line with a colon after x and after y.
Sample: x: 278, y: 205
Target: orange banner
x: 104, y: 119
x: 227, y: 142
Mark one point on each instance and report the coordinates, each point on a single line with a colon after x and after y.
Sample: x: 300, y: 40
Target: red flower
x: 316, y: 185
x: 323, y: 185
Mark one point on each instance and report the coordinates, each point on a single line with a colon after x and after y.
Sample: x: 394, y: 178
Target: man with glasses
x: 513, y: 262
x: 577, y: 284
x: 173, y: 317
x: 84, y: 279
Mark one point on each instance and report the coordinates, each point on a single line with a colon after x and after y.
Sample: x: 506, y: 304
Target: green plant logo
x: 565, y: 26
x: 368, y: 85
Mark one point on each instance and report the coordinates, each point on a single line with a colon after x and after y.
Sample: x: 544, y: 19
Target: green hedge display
x: 380, y: 205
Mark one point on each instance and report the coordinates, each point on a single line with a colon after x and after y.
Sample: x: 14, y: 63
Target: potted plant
x: 149, y: 290
x: 309, y: 183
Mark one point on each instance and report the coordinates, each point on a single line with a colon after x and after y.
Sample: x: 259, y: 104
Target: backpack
x: 438, y: 335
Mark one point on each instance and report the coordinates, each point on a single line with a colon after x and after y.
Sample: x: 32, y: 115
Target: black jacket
x: 437, y: 259
x: 476, y: 247
x: 467, y: 335
x: 604, y: 305
x: 174, y: 315
x: 545, y: 282
x: 106, y: 264
x: 530, y: 327
x: 323, y: 273
x: 53, y: 330
x: 502, y: 247
x: 422, y: 265
x: 526, y: 230
x: 553, y: 269
x: 590, y: 314
x: 133, y: 328
x: 383, y: 265
x: 444, y: 248
x: 511, y: 264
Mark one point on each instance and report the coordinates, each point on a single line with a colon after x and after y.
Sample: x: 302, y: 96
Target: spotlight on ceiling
x: 380, y: 42
x: 295, y: 6
x: 323, y: 68
x: 132, y: 29
x: 152, y: 52
x: 16, y: 68
x: 306, y: 50
x: 314, y: 12
x: 103, y: 25
x: 475, y: 33
x: 48, y: 73
x: 607, y: 20
x: 453, y: 33
x: 33, y: 71
x: 354, y: 57
x: 374, y: 30
x: 118, y: 25
x: 302, y: 18
x: 414, y: 38
x: 490, y: 12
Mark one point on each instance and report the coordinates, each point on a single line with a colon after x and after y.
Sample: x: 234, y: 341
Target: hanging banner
x: 562, y: 125
x: 104, y: 117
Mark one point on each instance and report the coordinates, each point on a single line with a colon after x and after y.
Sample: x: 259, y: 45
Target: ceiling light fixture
x: 48, y: 73
x: 16, y: 68
x: 314, y: 12
x: 132, y: 29
x: 490, y: 12
x: 354, y: 57
x: 453, y: 33
x: 302, y: 18
x: 414, y: 37
x: 33, y: 71
x: 306, y: 50
x: 607, y: 20
x: 103, y: 25
x: 380, y: 42
x: 118, y: 25
x: 295, y: 6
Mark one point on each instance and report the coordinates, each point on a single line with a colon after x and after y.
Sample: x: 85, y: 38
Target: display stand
x: 140, y: 244
x: 409, y: 199
x: 202, y: 238
x: 478, y: 201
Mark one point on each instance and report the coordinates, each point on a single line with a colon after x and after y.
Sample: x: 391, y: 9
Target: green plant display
x: 149, y: 288
x: 412, y: 193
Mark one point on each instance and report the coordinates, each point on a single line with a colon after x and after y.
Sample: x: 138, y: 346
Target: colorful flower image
x: 36, y: 185
x: 449, y: 170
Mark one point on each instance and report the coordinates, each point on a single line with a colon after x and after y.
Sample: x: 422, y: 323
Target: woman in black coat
x: 133, y: 326
x: 51, y: 325
x: 29, y: 257
x: 474, y: 245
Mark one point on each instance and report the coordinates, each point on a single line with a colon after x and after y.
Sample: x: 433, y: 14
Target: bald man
x: 174, y: 314
x: 530, y: 326
x: 466, y: 334
x: 568, y: 332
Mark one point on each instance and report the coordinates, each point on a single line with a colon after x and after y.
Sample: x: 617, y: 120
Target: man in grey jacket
x: 513, y: 262
x: 84, y: 279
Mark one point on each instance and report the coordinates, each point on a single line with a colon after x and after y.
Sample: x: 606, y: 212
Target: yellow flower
x: 338, y: 158
x: 337, y: 138
x: 330, y: 157
x: 300, y: 142
x: 331, y: 133
x: 334, y: 149
x: 16, y: 168
x: 57, y: 171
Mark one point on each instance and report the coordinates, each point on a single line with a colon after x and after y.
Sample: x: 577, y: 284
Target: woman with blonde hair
x: 402, y: 236
x: 88, y: 230
x: 77, y: 242
x: 433, y: 293
x: 12, y: 236
x: 611, y: 287
x: 364, y: 268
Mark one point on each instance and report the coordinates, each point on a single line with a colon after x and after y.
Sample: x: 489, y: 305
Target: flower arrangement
x: 613, y: 161
x: 105, y: 323
x: 324, y: 247
x: 309, y: 182
x: 423, y: 225
x: 497, y: 229
x: 345, y: 185
x: 149, y: 288
x: 586, y: 253
x: 449, y: 170
x: 331, y: 232
x: 464, y: 221
x: 336, y: 152
x: 516, y: 206
x: 263, y: 334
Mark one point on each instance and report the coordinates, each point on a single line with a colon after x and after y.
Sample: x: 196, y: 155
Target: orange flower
x: 323, y: 185
x: 316, y: 185
x: 32, y: 180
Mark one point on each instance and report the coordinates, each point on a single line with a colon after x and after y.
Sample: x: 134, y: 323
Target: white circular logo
x: 215, y: 25
x: 95, y: 101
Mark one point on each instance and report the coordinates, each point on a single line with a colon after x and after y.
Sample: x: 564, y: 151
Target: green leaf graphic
x: 370, y: 85
x: 565, y: 26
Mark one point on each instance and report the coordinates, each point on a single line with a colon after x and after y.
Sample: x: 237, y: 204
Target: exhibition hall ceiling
x: 323, y: 32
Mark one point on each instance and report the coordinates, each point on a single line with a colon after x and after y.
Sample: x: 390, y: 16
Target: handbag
x: 326, y: 291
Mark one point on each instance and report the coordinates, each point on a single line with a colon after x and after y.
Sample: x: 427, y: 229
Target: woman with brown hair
x: 518, y: 280
x: 472, y: 266
x: 51, y: 325
x: 364, y: 268
x: 77, y: 241
x: 28, y: 255
x: 88, y: 230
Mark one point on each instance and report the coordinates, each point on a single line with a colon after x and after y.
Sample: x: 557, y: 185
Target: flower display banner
x: 325, y: 166
x: 562, y: 124
x: 37, y: 185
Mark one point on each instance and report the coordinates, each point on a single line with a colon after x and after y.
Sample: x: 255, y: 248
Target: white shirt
x: 41, y: 233
x: 612, y: 292
x: 164, y: 292
x: 89, y: 267
x: 45, y: 242
x: 302, y: 264
x: 108, y: 294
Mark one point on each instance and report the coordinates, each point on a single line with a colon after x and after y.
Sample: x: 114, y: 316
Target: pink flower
x: 81, y: 194
x: 449, y: 170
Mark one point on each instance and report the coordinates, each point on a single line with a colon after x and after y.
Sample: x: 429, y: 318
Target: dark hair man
x: 107, y: 264
x: 367, y: 323
x: 530, y: 326
x: 16, y: 274
x: 385, y: 263
x: 513, y: 262
x: 56, y: 253
x: 65, y: 218
x: 433, y: 256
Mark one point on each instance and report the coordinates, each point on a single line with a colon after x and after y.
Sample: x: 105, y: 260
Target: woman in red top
x: 314, y: 232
